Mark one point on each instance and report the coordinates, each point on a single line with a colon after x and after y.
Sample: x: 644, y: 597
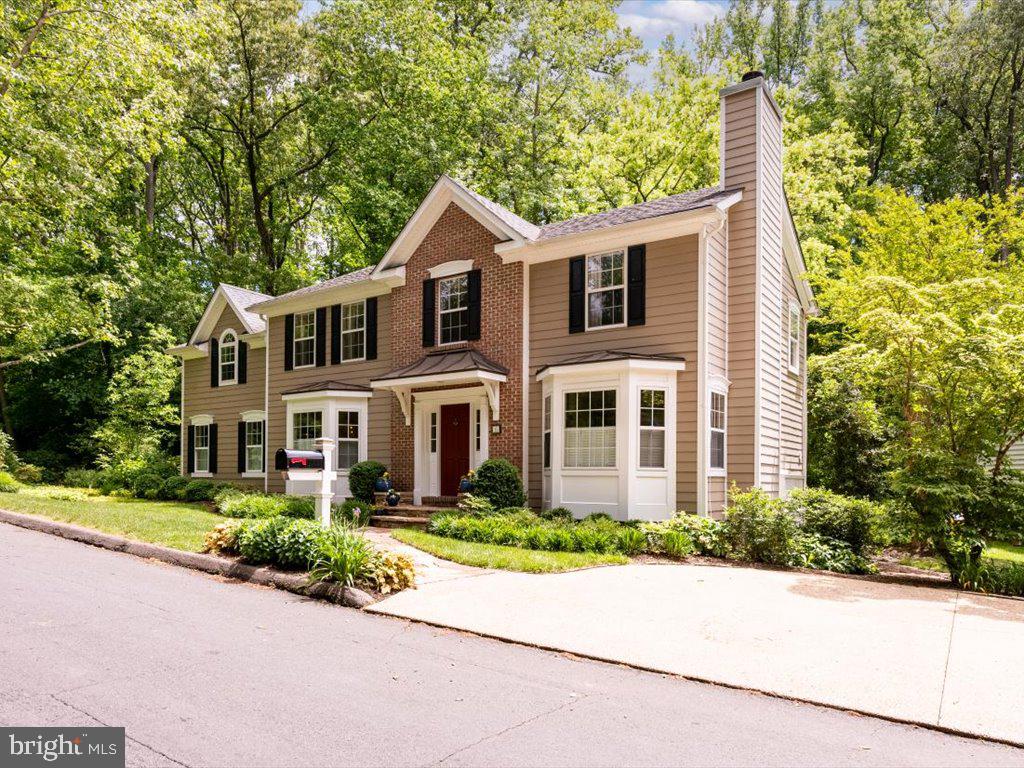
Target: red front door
x: 454, y: 446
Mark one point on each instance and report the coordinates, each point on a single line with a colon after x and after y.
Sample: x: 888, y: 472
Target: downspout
x: 266, y: 403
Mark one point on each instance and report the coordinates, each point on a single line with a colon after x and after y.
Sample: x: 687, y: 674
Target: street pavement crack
x: 949, y: 652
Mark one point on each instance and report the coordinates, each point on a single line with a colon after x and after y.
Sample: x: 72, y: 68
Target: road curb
x: 218, y: 566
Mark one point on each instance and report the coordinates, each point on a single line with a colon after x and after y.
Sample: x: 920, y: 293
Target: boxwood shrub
x: 362, y: 478
x: 498, y: 481
x: 833, y: 516
x: 173, y: 488
x: 199, y: 490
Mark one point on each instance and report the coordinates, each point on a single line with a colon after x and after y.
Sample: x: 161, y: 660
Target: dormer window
x: 454, y: 303
x: 606, y: 290
x: 228, y: 351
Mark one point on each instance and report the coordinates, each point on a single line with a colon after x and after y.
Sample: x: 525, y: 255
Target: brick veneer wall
x: 457, y: 235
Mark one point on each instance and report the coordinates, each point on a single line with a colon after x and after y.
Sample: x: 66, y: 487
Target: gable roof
x: 241, y: 300
x: 349, y: 278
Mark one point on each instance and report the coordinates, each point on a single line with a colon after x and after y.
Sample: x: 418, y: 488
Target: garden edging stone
x: 352, y: 597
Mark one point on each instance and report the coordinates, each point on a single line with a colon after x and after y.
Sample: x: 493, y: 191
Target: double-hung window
x: 589, y: 435
x: 254, y: 446
x: 652, y: 428
x: 353, y: 331
x: 348, y: 439
x: 307, y: 426
x: 228, y: 351
x: 716, y: 422
x: 547, y: 432
x: 454, y: 308
x: 606, y: 289
x: 201, y: 446
x: 794, y: 337
x: 304, y: 341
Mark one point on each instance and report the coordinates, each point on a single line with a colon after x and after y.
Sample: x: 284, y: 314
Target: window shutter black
x: 577, y: 295
x: 289, y: 340
x: 335, y: 334
x: 190, y: 462
x: 636, y: 285
x: 473, y: 284
x: 321, y: 336
x: 213, y: 449
x: 263, y: 464
x: 243, y: 362
x: 429, y: 294
x: 241, y: 447
x: 214, y: 362
x: 371, y: 328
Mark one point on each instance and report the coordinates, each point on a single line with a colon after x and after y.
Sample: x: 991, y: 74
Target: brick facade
x: 457, y: 235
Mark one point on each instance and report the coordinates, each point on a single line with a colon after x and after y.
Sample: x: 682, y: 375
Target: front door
x: 454, y: 446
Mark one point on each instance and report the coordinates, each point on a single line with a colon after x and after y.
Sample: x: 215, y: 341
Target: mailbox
x: 286, y: 460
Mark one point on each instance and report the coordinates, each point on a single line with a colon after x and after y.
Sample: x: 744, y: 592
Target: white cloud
x: 652, y: 20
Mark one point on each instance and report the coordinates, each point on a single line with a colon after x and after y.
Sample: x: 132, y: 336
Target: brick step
x: 446, y: 502
x: 398, y: 521
x: 409, y: 510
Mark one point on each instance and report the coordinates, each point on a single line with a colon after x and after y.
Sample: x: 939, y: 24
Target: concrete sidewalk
x: 919, y: 654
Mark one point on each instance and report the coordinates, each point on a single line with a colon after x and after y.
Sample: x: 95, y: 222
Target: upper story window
x: 454, y: 308
x: 589, y: 435
x: 304, y: 342
x: 307, y: 426
x: 716, y: 417
x: 353, y: 331
x: 652, y: 428
x: 606, y: 289
x: 201, y: 448
x: 228, y: 364
x: 794, y: 337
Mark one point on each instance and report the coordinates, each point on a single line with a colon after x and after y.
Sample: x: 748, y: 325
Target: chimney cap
x: 752, y: 75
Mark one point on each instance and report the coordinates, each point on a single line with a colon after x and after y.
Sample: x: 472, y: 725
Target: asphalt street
x: 205, y: 672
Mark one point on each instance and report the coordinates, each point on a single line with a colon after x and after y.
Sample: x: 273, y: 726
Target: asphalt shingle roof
x: 347, y: 279
x: 435, y: 363
x: 242, y: 299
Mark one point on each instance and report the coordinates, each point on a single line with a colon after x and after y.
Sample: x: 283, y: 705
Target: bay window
x: 589, y: 434
x: 652, y: 428
x: 307, y: 426
x: 348, y: 439
x: 547, y: 432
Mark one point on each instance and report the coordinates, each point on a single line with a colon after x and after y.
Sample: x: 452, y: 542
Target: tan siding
x: 225, y: 403
x: 354, y: 372
x: 1016, y: 455
x: 717, y: 493
x: 793, y: 402
x: 671, y: 328
x: 717, y: 305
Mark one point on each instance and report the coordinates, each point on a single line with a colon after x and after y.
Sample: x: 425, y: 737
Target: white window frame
x: 441, y: 312
x: 545, y: 444
x: 360, y: 330
x: 255, y: 417
x: 360, y: 427
x: 296, y: 339
x: 663, y: 428
x: 589, y: 391
x: 588, y: 291
x: 793, y: 337
x: 300, y: 411
x: 433, y: 436
x: 197, y: 422
x: 724, y: 430
x: 222, y: 347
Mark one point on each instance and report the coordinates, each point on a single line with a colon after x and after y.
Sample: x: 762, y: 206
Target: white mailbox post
x: 327, y: 477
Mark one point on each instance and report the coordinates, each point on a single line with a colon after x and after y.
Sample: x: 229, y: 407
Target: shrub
x: 123, y: 474
x: 597, y: 516
x: 352, y: 511
x: 498, y: 481
x: 173, y: 488
x: 257, y: 539
x: 833, y: 516
x: 8, y: 484
x: 704, y: 533
x: 558, y: 514
x: 29, y: 473
x: 50, y: 463
x: 631, y: 541
x: 1000, y: 578
x: 8, y: 459
x: 146, y: 486
x: 297, y: 544
x: 300, y: 507
x: 223, y: 537
x: 758, y: 528
x: 199, y: 490
x: 476, y: 505
x: 362, y: 478
x: 677, y: 544
x: 812, y: 550
x: 82, y: 478
x: 390, y: 572
x: 344, y: 556
x: 253, y: 506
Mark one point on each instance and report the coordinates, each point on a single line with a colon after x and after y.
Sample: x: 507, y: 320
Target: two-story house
x: 636, y: 361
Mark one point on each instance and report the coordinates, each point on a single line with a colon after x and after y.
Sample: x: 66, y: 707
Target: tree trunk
x: 151, y: 170
x: 5, y: 410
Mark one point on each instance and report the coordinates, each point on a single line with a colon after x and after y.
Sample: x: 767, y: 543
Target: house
x: 635, y: 362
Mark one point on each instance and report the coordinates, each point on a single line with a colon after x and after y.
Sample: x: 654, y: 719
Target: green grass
x: 172, y: 524
x: 995, y: 550
x: 503, y: 558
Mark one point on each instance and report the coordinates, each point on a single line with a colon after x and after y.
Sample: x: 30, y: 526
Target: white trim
x: 328, y: 405
x: 587, y: 292
x: 201, y: 419
x: 455, y: 377
x: 374, y: 285
x: 451, y: 268
x: 427, y: 463
x: 247, y: 419
x: 253, y: 415
x: 266, y: 395
x: 211, y: 314
x: 183, y: 446
x: 441, y: 312
x: 322, y: 394
x: 707, y: 234
x: 612, y: 366
x: 341, y: 332
x: 722, y: 471
x: 758, y: 276
x: 793, y: 365
x: 221, y: 346
x: 296, y: 339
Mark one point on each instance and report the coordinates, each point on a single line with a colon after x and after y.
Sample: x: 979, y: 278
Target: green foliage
x: 223, y: 537
x: 146, y: 486
x: 390, y: 572
x: 173, y: 488
x: 200, y: 490
x: 833, y: 516
x: 352, y: 511
x: 362, y: 478
x: 257, y: 506
x: 8, y: 484
x: 8, y: 459
x: 299, y: 507
x: 704, y: 533
x: 297, y: 544
x: 474, y: 504
x: 758, y: 528
x: 812, y: 550
x: 82, y: 478
x: 995, y: 577
x: 632, y: 541
x: 498, y: 481
x: 50, y: 463
x: 558, y: 513
x: 257, y: 539
x: 124, y: 475
x: 677, y: 544
x: 28, y: 473
x: 345, y: 557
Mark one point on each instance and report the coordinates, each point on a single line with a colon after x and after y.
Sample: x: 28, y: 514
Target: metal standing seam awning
x: 464, y: 366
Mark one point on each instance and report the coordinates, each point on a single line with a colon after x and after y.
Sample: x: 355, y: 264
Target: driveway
x: 921, y: 654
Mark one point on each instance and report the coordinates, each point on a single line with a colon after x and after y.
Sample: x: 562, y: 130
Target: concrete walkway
x: 919, y: 654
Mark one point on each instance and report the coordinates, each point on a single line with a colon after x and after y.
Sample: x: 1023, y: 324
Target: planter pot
x: 393, y: 499
x: 465, y: 486
x: 382, y: 484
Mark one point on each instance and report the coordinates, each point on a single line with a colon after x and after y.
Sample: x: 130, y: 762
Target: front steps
x: 407, y: 514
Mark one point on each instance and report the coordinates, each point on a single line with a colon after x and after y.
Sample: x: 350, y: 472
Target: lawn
x: 503, y: 558
x: 172, y: 524
x: 994, y: 550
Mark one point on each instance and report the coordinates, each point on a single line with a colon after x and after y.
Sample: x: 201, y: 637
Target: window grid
x: 348, y: 439
x: 794, y: 337
x: 606, y: 292
x: 227, y: 351
x: 254, y: 446
x: 477, y: 428
x: 652, y: 428
x: 307, y: 426
x: 304, y: 339
x: 716, y: 456
x: 433, y: 432
x: 547, y: 432
x: 590, y: 428
x: 202, y: 448
x: 454, y: 308
x: 353, y: 331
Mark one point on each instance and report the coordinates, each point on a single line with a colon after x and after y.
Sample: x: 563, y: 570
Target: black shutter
x: 241, y: 447
x: 335, y: 334
x: 371, y: 328
x: 577, y: 295
x: 243, y: 362
x: 263, y: 465
x: 474, y: 304
x: 321, y: 336
x: 214, y: 362
x: 213, y: 449
x: 190, y: 462
x: 289, y: 340
x: 429, y: 294
x: 636, y: 285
